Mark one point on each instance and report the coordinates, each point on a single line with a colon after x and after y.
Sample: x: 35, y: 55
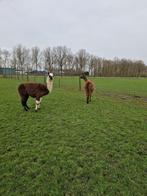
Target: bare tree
x: 6, y: 55
x: 14, y: 59
x: 22, y: 55
x: 99, y: 67
x: 139, y: 67
x: 60, y: 56
x: 92, y: 62
x: 48, y: 59
x: 14, y: 62
x: 36, y: 57
x: 19, y: 57
x: 1, y: 60
x: 26, y: 61
x: 81, y: 59
x: 69, y: 61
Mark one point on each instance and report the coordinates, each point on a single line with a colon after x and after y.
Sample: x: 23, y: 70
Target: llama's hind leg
x: 26, y: 108
x: 90, y: 98
x: 87, y: 99
x: 26, y: 103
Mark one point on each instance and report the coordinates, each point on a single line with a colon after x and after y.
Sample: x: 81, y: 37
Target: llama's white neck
x: 49, y: 84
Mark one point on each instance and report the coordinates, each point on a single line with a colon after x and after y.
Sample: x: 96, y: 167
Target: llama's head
x: 51, y: 76
x: 83, y: 76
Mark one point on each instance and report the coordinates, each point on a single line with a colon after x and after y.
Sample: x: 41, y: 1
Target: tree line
x: 61, y: 60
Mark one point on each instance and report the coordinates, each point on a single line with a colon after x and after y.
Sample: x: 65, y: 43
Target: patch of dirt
x: 124, y: 97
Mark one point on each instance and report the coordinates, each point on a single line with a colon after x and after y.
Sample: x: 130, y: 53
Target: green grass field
x: 73, y: 148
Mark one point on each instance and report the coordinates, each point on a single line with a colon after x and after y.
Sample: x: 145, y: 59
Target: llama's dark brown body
x: 32, y: 89
x: 35, y: 90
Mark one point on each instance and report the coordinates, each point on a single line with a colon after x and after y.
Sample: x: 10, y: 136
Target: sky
x: 106, y: 28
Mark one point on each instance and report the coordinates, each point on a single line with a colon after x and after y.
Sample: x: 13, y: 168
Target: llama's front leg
x: 37, y: 104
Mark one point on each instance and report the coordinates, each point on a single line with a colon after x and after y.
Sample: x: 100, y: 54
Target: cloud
x: 106, y: 28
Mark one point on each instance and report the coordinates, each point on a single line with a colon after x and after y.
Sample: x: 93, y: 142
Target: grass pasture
x: 73, y: 148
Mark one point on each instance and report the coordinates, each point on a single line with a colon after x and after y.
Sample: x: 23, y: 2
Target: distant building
x: 7, y: 71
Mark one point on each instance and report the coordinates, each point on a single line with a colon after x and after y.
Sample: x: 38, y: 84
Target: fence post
x: 59, y: 83
x: 79, y: 84
x: 45, y: 79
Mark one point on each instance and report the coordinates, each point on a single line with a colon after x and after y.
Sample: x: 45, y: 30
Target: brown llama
x: 89, y: 87
x: 35, y: 90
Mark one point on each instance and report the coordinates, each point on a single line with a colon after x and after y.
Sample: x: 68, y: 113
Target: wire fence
x: 103, y: 85
x: 108, y: 86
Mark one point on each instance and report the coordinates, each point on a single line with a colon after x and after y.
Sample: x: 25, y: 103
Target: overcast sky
x: 106, y: 28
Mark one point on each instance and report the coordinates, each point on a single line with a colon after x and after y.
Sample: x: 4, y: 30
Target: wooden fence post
x: 59, y: 83
x: 79, y: 84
